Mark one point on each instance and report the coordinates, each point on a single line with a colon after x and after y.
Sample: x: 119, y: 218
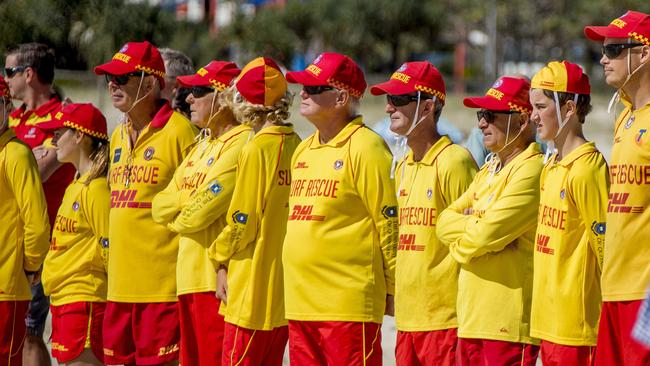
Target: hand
x: 468, y: 211
x: 222, y: 284
x: 390, y: 305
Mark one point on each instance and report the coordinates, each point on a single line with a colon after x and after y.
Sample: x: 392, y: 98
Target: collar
x: 341, y: 138
x: 433, y: 152
x: 277, y: 130
x: 163, y: 115
x: 532, y: 150
x: 50, y: 106
x: 586, y: 148
x: 234, y: 132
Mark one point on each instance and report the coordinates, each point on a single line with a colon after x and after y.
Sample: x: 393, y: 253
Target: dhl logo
x: 301, y: 165
x: 303, y: 213
x: 617, y: 204
x: 126, y: 199
x: 401, y: 77
x: 122, y: 57
x: 618, y: 23
x: 314, y: 69
x: 407, y: 242
x: 54, y: 247
x: 542, y: 244
x: 496, y: 94
x: 163, y: 351
x: 402, y: 192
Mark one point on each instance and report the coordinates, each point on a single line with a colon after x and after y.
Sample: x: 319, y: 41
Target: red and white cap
x: 506, y: 94
x: 632, y: 24
x: 217, y: 74
x: 133, y: 57
x: 333, y: 69
x: 83, y: 117
x: 413, y: 77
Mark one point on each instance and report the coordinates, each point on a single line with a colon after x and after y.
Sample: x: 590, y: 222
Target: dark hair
x: 37, y: 56
x: 179, y: 103
x: 583, y: 106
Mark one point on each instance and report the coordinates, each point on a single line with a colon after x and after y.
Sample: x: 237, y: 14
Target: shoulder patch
x: 240, y: 217
x: 117, y: 154
x: 389, y: 211
x: 599, y: 228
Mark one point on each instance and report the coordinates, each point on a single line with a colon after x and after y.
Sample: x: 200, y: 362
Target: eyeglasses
x: 200, y: 91
x: 11, y: 71
x: 613, y: 50
x: 404, y: 99
x: 313, y: 90
x: 489, y: 116
x: 121, y: 79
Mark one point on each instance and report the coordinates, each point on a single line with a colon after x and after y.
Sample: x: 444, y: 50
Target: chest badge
x: 75, y: 206
x: 629, y: 122
x: 562, y: 193
x: 639, y: 136
x: 148, y: 153
x: 338, y: 164
x: 429, y: 193
x: 116, y: 155
x: 210, y: 161
x: 490, y: 197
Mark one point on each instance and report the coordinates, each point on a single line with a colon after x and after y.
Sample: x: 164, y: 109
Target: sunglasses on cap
x: 200, y: 91
x: 121, y: 79
x: 318, y: 89
x: 613, y: 50
x: 11, y: 71
x: 489, y: 116
x: 404, y: 99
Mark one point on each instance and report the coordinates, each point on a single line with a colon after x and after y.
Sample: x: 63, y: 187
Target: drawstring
x: 550, y: 145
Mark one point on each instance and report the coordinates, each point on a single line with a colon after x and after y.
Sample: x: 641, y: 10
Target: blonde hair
x: 253, y: 115
x: 99, y: 154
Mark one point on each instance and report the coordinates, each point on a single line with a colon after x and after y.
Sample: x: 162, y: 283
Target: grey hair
x: 176, y: 63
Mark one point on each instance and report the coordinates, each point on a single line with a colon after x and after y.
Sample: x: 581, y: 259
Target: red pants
x: 201, y: 329
x: 247, y: 347
x: 486, y: 352
x: 553, y: 354
x: 75, y: 327
x: 12, y: 332
x: 334, y: 343
x: 615, y: 343
x: 436, y: 347
x: 141, y: 333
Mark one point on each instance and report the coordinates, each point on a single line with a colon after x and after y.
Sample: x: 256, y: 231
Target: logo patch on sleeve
x: 240, y: 217
x: 103, y: 242
x: 215, y: 188
x: 599, y: 228
x: 116, y: 155
x: 389, y: 211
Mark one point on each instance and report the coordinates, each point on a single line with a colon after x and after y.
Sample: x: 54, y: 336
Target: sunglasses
x: 613, y: 50
x: 200, y: 91
x: 404, y: 99
x: 11, y: 71
x: 121, y: 79
x: 489, y: 116
x: 313, y: 90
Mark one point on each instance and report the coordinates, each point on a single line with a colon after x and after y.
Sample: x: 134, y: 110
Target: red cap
x: 261, y: 82
x: 216, y: 74
x: 4, y: 88
x: 412, y: 77
x: 333, y: 69
x: 135, y: 56
x: 632, y: 24
x: 507, y: 94
x: 83, y: 117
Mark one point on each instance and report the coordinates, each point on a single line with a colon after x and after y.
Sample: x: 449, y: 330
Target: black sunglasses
x: 613, y: 50
x: 200, y: 91
x: 404, y: 99
x: 121, y: 79
x: 11, y: 71
x: 313, y: 90
x: 489, y: 116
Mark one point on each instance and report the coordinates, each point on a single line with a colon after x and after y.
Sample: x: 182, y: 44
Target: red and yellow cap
x: 412, y: 77
x: 135, y: 56
x: 83, y: 117
x: 632, y: 24
x: 216, y: 74
x: 507, y: 94
x: 333, y: 69
x: 261, y: 82
x: 4, y: 88
x: 564, y: 77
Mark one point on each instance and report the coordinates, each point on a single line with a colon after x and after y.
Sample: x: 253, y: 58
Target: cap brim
x: 51, y: 125
x: 392, y: 87
x: 192, y: 80
x: 599, y: 33
x: 113, y: 68
x: 488, y: 103
x: 303, y: 78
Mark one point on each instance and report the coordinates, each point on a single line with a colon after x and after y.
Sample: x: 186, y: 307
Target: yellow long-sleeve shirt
x: 426, y: 276
x: 494, y: 245
x: 569, y: 248
x: 195, y: 202
x: 626, y: 267
x: 143, y: 254
x: 75, y: 267
x: 25, y: 230
x: 251, y: 242
x: 341, y: 243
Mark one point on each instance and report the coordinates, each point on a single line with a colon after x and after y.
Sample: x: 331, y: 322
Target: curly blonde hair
x: 253, y: 115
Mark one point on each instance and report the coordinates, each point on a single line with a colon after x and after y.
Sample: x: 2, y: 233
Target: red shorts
x: 553, y: 354
x: 75, y: 327
x: 12, y: 332
x: 201, y: 329
x: 437, y: 347
x: 334, y: 343
x: 247, y: 347
x: 142, y: 333
x: 487, y: 352
x: 615, y: 343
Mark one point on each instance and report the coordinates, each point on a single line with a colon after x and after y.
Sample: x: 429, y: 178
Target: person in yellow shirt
x: 490, y: 231
x: 194, y: 204
x: 24, y: 233
x: 74, y: 272
x: 570, y: 237
x: 247, y: 252
x: 433, y: 174
x: 626, y: 265
x: 141, y: 323
x: 339, y: 251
